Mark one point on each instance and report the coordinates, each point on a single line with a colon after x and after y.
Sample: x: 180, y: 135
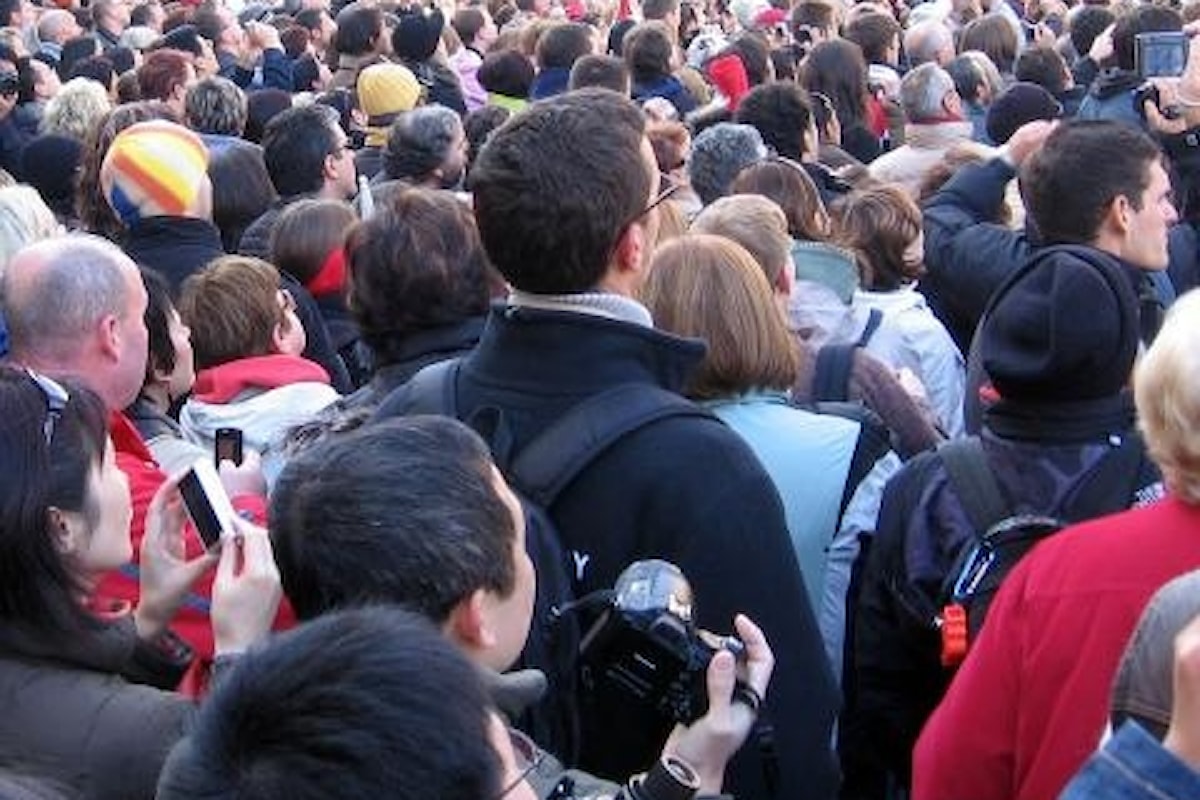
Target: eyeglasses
x: 56, y: 402
x: 529, y: 757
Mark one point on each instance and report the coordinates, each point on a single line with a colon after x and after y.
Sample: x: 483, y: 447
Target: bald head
x: 74, y: 306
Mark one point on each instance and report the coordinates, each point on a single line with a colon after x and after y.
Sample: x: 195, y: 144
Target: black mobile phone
x: 228, y: 446
x: 206, y: 503
x: 1162, y: 53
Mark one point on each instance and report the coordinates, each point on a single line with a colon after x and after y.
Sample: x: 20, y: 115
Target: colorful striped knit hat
x: 154, y: 169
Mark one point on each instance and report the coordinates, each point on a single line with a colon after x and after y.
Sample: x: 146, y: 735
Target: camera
x: 1148, y: 92
x: 645, y: 646
x: 1161, y: 53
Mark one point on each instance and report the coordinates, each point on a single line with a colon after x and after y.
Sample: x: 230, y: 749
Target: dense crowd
x: 599, y: 399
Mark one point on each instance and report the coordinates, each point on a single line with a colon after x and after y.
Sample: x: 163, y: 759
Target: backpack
x: 538, y: 474
x: 831, y: 376
x: 1003, y: 538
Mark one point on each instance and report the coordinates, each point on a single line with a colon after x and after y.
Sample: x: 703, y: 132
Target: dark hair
x: 295, y: 40
x: 969, y: 78
x: 877, y: 225
x: 781, y: 113
x: 158, y: 322
x: 755, y: 55
x: 874, y: 33
x: 241, y: 190
x: 295, y: 146
x: 1141, y: 19
x: 507, y: 73
x: 1087, y: 23
x: 263, y: 106
x: 400, y: 512
x: 467, y: 23
x: 97, y: 68
x: 365, y: 703
x: 358, y: 28
x: 556, y: 187
x: 306, y: 232
x: 1069, y: 184
x: 38, y: 589
x: 786, y: 60
x: 141, y: 13
x: 659, y: 9
x: 479, y: 125
x: 122, y: 59
x: 162, y: 72
x: 648, y: 49
x: 601, y: 72
x: 564, y: 44
x: 1043, y: 66
x: 811, y: 14
x: 75, y: 49
x: 837, y: 70
x: 309, y: 18
x: 306, y: 71
x: 994, y: 36
x: 208, y: 22
x: 789, y: 186
x: 417, y: 264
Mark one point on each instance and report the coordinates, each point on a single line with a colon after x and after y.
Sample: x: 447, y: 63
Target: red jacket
x: 1030, y: 703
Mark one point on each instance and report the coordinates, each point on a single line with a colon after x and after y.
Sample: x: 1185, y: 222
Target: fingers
x: 721, y: 677
x: 1158, y: 122
x: 760, y: 659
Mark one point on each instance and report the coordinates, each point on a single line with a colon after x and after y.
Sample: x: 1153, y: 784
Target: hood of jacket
x: 1113, y: 82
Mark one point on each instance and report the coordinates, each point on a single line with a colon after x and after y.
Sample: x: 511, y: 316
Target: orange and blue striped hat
x: 154, y: 169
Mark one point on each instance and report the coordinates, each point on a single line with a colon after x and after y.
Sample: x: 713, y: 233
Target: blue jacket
x: 668, y: 88
x: 1133, y: 765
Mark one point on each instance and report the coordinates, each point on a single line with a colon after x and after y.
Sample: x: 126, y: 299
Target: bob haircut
x: 47, y: 459
x: 757, y: 224
x: 1168, y: 398
x: 785, y: 182
x: 307, y: 233
x: 878, y: 224
x: 233, y: 309
x: 710, y: 288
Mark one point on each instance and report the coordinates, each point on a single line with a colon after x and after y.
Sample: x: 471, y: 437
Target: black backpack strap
x: 974, y: 482
x: 874, y: 318
x: 433, y: 389
x: 835, y: 362
x: 1112, y: 484
x: 549, y: 463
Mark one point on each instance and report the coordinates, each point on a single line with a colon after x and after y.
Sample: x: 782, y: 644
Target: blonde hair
x: 1167, y: 392
x: 757, y: 224
x: 710, y: 287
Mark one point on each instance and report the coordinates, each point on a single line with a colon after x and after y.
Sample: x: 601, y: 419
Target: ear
x: 468, y: 623
x: 631, y: 258
x: 1118, y: 216
x: 109, y: 336
x: 279, y: 337
x: 64, y: 529
x: 785, y: 281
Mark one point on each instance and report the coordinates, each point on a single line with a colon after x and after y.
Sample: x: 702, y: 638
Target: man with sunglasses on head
x: 566, y: 198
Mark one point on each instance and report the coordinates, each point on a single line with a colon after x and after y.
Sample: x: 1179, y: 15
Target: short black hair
x: 158, y: 322
x: 507, y: 73
x: 564, y: 44
x: 1043, y: 66
x: 358, y: 28
x: 647, y: 51
x: 603, y: 72
x: 479, y: 125
x: 366, y: 703
x: 781, y: 113
x: 295, y: 145
x: 1069, y: 184
x: 97, y: 68
x: 557, y: 185
x: 1087, y: 23
x: 310, y: 18
x: 752, y: 49
x: 401, y: 512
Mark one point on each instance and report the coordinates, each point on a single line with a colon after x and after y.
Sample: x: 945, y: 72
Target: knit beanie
x: 50, y: 164
x: 1019, y: 104
x: 1063, y: 329
x: 385, y: 91
x: 154, y: 169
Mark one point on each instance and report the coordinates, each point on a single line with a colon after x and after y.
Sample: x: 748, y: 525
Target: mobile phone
x: 1162, y: 53
x: 206, y: 503
x: 228, y: 446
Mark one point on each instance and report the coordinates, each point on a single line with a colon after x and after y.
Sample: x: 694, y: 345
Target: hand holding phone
x: 207, y: 503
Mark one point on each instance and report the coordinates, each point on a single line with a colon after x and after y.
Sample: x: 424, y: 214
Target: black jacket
x: 1040, y: 457
x: 684, y: 489
x: 174, y: 247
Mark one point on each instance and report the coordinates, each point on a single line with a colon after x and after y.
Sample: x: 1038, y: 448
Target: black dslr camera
x: 646, y: 647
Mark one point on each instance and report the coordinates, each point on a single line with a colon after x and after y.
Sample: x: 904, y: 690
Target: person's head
x: 306, y: 152
x: 307, y: 243
x: 149, y: 14
x: 648, y: 52
x: 360, y: 30
x: 1017, y: 105
x: 783, y: 116
x: 927, y: 95
x: 665, y: 11
x: 758, y: 225
x: 1101, y: 183
x: 710, y: 287
x: 1045, y: 67
x: 320, y: 26
x: 600, y: 72
x: 564, y: 44
x: 672, y: 145
x: 417, y: 34
x: 97, y: 68
x: 813, y: 21
x: 64, y: 503
x: 218, y: 25
x: 929, y: 41
x: 77, y: 108
x: 788, y: 185
x: 74, y: 306
x: 156, y: 169
x: 24, y: 218
x: 241, y: 190
x: 427, y: 146
x: 362, y: 703
x: 75, y: 49
x: 719, y: 153
x: 170, y: 367
x: 262, y: 106
x: 564, y: 194
x: 409, y: 511
x: 386, y: 91
x: 57, y: 25
x: 416, y: 265
x: 506, y: 72
x: 878, y: 35
x: 837, y: 70
x: 236, y: 308
x: 1168, y: 402
x: 215, y: 105
x: 475, y: 27
x: 1086, y: 23
x: 110, y: 15
x: 972, y: 80
x: 752, y: 50
x: 478, y: 126
x: 1140, y: 19
x: 166, y: 75
x: 882, y: 227
x: 44, y: 82
x: 994, y: 35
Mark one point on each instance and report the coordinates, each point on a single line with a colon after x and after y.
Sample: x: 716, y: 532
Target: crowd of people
x: 650, y: 400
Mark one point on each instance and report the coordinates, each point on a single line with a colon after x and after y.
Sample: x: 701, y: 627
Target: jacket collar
x: 223, y: 384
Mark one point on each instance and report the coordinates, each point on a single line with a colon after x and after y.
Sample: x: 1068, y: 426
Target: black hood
x: 1112, y: 82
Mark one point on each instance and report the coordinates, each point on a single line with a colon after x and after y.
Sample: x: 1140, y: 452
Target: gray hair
x: 419, y: 141
x: 719, y: 153
x: 24, y: 218
x: 52, y: 23
x: 924, y: 40
x: 55, y: 291
x: 215, y: 105
x: 922, y: 91
x: 79, y: 106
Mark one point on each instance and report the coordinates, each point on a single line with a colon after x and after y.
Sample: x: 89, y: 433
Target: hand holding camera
x: 247, y: 590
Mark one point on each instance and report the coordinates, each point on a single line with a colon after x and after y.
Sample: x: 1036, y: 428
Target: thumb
x: 721, y: 677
